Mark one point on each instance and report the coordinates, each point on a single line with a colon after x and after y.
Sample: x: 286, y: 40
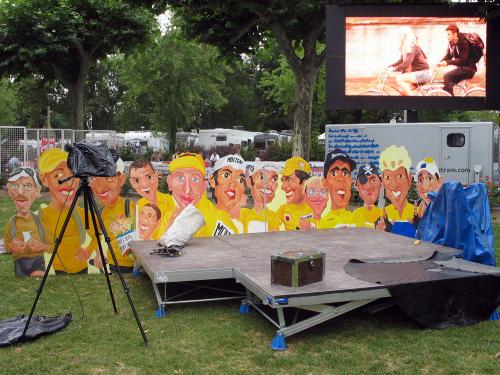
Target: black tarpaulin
x: 434, y: 295
x: 11, y: 330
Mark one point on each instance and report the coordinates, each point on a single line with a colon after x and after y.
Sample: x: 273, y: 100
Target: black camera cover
x: 87, y: 159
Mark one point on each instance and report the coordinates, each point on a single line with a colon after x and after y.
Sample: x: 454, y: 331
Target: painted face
x: 187, y: 186
x: 316, y: 197
x: 369, y: 191
x: 338, y: 181
x: 107, y: 189
x: 259, y: 188
x: 397, y: 184
x: 63, y: 194
x: 23, y: 192
x: 293, y: 189
x: 229, y: 187
x: 427, y: 182
x: 145, y: 182
x: 148, y: 222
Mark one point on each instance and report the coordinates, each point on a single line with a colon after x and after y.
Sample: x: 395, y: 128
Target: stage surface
x: 247, y: 259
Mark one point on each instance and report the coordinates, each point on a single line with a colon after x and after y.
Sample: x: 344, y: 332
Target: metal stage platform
x: 247, y: 259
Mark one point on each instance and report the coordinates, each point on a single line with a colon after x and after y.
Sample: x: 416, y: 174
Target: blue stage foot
x: 245, y: 308
x: 278, y: 342
x: 136, y: 272
x: 161, y: 312
x: 495, y: 315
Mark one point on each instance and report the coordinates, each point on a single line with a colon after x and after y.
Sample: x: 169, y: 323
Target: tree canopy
x: 60, y: 39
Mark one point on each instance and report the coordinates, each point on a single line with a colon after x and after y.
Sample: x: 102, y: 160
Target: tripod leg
x: 99, y: 245
x: 52, y: 257
x: 93, y: 208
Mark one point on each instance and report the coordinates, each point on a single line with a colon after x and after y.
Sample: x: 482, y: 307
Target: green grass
x: 213, y: 338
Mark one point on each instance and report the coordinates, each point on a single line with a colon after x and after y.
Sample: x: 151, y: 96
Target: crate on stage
x: 297, y: 268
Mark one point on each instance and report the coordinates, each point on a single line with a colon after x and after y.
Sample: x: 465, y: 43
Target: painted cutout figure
x: 24, y: 234
x: 395, y: 164
x: 118, y: 215
x: 368, y: 184
x: 295, y: 172
x: 144, y: 180
x: 316, y: 196
x: 263, y: 182
x: 187, y: 182
x: 76, y: 245
x: 428, y: 179
x: 228, y: 184
x: 337, y: 179
x: 149, y: 220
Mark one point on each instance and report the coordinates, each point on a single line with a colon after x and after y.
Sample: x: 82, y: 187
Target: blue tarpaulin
x: 459, y: 217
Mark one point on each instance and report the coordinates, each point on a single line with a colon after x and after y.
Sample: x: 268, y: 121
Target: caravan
x: 211, y: 138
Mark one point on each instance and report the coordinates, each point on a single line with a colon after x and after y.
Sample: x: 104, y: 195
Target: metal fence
x: 22, y: 146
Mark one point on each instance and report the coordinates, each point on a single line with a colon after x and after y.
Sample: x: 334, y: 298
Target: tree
x: 8, y: 103
x: 239, y: 27
x: 171, y: 82
x: 60, y: 39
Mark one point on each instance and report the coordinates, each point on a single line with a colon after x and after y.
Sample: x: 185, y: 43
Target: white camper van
x: 464, y: 151
x: 210, y: 138
x: 139, y: 141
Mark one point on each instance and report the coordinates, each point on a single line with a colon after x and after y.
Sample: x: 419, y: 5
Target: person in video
x: 428, y: 180
x: 412, y: 63
x: 295, y: 172
x: 24, y: 234
x: 316, y: 196
x: 337, y: 179
x: 368, y: 184
x: 263, y: 182
x: 228, y: 184
x: 458, y: 55
x: 144, y: 179
x: 76, y: 244
x: 118, y: 214
x: 149, y: 220
x: 395, y: 164
x: 187, y: 182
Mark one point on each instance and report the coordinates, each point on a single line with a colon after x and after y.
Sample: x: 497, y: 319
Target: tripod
x: 89, y: 206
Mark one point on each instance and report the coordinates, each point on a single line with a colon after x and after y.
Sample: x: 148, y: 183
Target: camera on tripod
x: 87, y: 159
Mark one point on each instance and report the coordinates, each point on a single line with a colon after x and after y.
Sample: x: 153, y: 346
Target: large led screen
x: 415, y: 56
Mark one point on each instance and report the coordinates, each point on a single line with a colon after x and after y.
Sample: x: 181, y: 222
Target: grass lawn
x: 213, y: 338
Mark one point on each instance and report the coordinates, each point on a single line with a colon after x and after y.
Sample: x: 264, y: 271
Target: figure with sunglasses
x: 368, y: 184
x: 24, y: 234
x: 316, y: 196
x: 263, y: 182
x: 337, y: 179
x: 76, y: 245
x: 187, y: 182
x: 144, y: 179
x: 118, y: 214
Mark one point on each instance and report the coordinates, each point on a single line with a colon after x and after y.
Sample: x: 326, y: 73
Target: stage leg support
x: 278, y: 343
x: 245, y: 307
x: 161, y: 312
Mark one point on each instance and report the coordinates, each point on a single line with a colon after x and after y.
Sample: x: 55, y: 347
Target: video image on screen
x: 415, y: 56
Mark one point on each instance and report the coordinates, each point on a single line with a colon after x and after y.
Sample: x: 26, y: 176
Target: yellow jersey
x: 393, y: 214
x: 336, y: 219
x: 257, y: 222
x: 117, y: 223
x: 365, y: 218
x: 290, y: 213
x: 217, y: 222
x: 74, y: 237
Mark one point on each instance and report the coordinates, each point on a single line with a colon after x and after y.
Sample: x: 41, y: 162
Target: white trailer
x: 139, y: 141
x: 210, y: 138
x: 464, y: 151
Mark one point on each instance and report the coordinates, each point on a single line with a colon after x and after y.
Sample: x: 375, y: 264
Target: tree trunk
x: 173, y: 137
x: 76, y: 90
x: 302, y: 111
